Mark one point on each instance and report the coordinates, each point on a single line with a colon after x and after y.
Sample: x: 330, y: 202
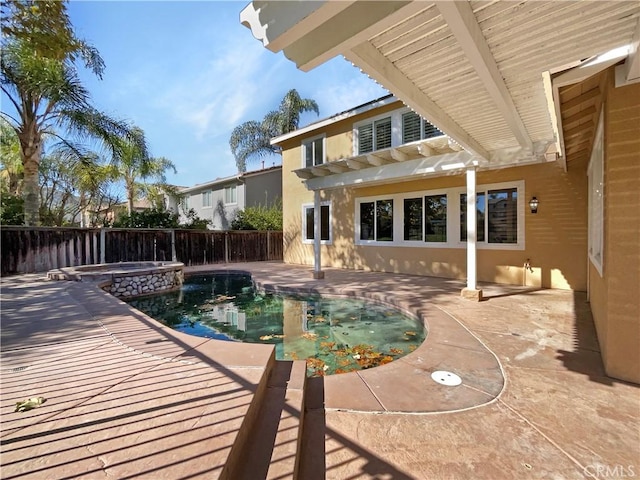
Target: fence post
x: 87, y: 248
x: 174, y: 257
x: 103, y: 242
x: 71, y: 252
x: 268, y: 246
x: 94, y: 238
x: 226, y: 247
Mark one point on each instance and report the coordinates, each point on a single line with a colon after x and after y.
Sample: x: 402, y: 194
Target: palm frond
x: 249, y: 140
x: 291, y: 106
x: 114, y: 135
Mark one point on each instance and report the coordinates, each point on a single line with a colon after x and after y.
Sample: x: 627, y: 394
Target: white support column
x: 317, y: 218
x: 471, y: 291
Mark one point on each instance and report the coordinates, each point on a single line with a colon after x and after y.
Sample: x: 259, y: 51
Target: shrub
x: 153, y: 218
x: 11, y: 210
x: 194, y: 222
x: 259, y: 218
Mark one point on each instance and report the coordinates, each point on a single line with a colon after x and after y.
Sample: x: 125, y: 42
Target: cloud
x: 215, y: 97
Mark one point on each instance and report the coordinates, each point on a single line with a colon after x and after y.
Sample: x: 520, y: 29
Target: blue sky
x: 187, y: 73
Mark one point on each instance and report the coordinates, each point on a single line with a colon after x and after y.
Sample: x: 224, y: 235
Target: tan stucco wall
x: 617, y: 309
x: 556, y: 240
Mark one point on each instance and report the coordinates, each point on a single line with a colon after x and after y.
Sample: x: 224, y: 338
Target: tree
x: 40, y: 78
x: 251, y: 140
x: 132, y: 164
x: 73, y: 191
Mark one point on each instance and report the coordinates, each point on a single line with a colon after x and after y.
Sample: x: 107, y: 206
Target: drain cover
x: 446, y: 378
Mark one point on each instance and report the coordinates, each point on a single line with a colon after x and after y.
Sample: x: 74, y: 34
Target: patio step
x: 312, y: 459
x: 272, y: 451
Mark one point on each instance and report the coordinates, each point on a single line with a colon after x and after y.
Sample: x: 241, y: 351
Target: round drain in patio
x: 446, y: 378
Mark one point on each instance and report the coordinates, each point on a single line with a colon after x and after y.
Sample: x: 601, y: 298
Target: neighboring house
x: 114, y: 212
x: 220, y: 199
x: 541, y: 105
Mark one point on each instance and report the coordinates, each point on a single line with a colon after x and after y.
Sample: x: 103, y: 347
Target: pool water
x: 334, y: 335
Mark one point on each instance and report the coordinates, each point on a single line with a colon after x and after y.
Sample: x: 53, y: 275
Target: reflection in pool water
x: 334, y: 335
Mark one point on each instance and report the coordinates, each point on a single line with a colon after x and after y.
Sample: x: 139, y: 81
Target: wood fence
x: 39, y: 249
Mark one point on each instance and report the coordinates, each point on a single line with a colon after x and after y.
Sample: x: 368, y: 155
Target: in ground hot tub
x: 126, y: 279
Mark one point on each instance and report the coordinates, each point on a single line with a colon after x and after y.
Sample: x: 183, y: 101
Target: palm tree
x: 40, y: 79
x: 132, y: 164
x: 251, y: 140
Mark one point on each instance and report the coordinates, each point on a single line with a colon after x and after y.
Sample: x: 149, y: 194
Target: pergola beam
x: 290, y: 24
x: 397, y: 155
x: 464, y: 26
x: 632, y: 64
x: 378, y: 67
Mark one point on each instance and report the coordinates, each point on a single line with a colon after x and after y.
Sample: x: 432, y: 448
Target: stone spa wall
x: 136, y: 285
x: 126, y: 279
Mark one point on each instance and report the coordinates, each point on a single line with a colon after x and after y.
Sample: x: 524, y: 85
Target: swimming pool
x: 334, y: 335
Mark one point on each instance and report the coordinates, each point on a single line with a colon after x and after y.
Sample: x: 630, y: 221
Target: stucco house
x: 219, y: 200
x: 535, y: 179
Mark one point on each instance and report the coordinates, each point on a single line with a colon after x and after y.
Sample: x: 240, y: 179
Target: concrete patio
x: 129, y: 398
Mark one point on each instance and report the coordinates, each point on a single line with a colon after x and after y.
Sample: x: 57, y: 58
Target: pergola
x: 488, y: 73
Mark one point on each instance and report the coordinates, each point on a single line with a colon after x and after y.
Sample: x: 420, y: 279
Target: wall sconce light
x: 533, y: 205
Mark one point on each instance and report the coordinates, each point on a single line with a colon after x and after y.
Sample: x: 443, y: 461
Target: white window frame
x: 453, y: 218
x: 359, y: 201
x: 311, y: 142
x: 229, y: 188
x: 403, y: 112
x: 595, y: 172
x: 372, y: 120
x: 423, y: 243
x: 396, y: 129
x: 306, y: 207
x: 186, y: 200
x: 207, y: 194
x: 484, y: 244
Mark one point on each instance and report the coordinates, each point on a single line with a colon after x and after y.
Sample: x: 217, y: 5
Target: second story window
x: 375, y: 135
x: 206, y: 198
x: 313, y: 152
x: 416, y: 128
x: 230, y: 195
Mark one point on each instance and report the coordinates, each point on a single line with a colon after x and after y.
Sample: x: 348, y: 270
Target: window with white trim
x: 374, y: 135
x: 437, y: 218
x: 496, y: 216
x: 230, y: 194
x: 376, y: 220
x: 308, y: 223
x: 391, y: 130
x: 313, y: 152
x: 425, y: 218
x: 595, y: 172
x: 416, y: 128
x: 206, y: 198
